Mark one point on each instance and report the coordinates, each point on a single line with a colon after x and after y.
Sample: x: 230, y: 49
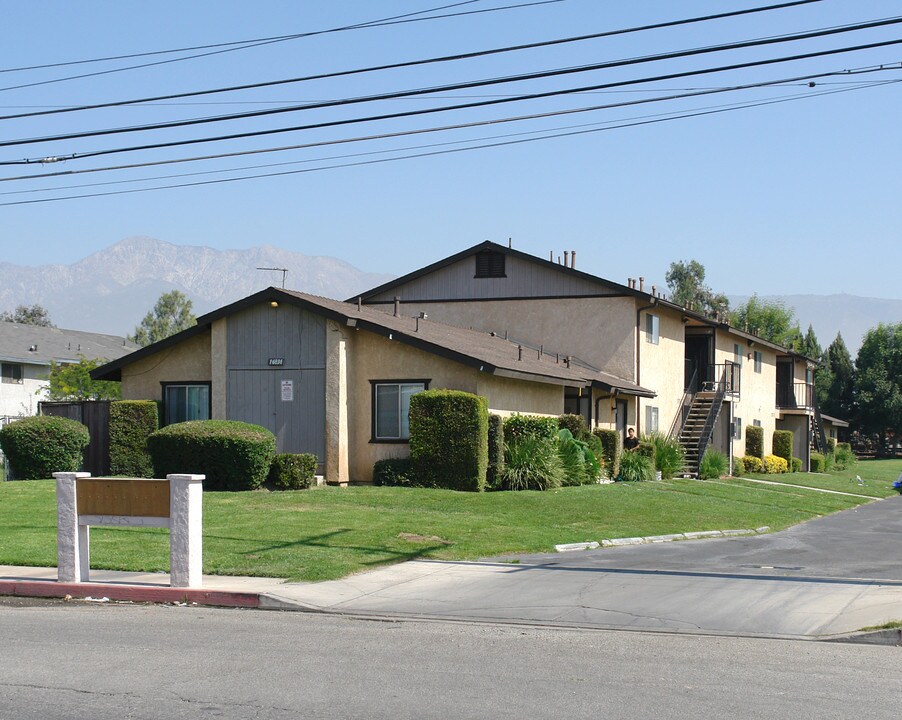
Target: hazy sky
x: 793, y: 197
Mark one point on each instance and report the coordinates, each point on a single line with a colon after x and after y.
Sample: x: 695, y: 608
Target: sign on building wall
x: 288, y: 391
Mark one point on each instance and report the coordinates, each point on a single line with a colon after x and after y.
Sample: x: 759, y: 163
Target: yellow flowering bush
x: 774, y: 464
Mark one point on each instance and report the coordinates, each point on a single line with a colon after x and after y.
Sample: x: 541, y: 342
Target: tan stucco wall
x: 757, y: 391
x: 600, y: 331
x: 189, y: 361
x: 662, y: 367
x: 507, y: 396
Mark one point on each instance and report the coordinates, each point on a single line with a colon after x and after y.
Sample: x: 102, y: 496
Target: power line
x: 438, y: 152
x: 760, y: 85
x: 460, y: 86
x: 446, y: 108
x: 359, y: 26
x: 413, y: 63
x: 802, y: 79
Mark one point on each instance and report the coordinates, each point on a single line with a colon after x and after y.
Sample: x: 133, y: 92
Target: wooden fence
x: 95, y: 414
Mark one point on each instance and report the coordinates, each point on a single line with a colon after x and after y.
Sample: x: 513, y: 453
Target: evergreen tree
x: 838, y: 368
x: 171, y: 314
x: 879, y: 379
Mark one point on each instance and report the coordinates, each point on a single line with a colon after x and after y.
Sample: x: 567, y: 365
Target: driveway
x: 829, y: 576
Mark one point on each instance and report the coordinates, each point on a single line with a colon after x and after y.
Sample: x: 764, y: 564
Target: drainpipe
x: 654, y: 302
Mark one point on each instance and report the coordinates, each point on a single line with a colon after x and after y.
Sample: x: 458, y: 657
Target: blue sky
x: 794, y: 197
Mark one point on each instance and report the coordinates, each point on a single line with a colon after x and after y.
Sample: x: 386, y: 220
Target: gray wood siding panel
x: 262, y: 332
x: 524, y: 279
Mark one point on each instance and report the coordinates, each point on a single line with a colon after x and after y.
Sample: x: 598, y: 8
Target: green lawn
x: 327, y: 533
x: 877, y: 477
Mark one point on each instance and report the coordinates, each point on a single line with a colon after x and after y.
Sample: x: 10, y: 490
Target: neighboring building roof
x: 36, y: 345
x: 834, y: 421
x: 485, y: 351
x: 612, y: 289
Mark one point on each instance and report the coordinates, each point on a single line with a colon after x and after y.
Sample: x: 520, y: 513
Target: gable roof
x: 612, y: 289
x: 37, y: 345
x: 485, y: 351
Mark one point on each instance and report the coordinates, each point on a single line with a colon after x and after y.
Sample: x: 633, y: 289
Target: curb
x: 129, y: 593
x: 653, y: 539
x: 892, y: 637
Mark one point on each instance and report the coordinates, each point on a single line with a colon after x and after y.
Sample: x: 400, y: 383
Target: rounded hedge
x: 39, y: 446
x: 233, y: 455
x: 293, y: 471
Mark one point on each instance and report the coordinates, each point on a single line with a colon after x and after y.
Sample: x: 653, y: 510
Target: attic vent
x: 490, y: 265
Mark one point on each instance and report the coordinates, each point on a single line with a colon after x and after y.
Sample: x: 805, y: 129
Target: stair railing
x: 820, y: 437
x: 682, y: 413
x: 713, y: 413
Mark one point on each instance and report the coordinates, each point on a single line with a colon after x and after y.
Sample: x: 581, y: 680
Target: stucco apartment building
x: 531, y: 335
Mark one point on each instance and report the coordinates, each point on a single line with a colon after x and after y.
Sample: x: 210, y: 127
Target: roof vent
x: 33, y: 348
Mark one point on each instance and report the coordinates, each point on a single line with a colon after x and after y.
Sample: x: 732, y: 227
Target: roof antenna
x: 284, y: 272
x: 510, y: 242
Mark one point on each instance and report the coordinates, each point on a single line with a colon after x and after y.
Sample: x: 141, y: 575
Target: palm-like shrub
x: 714, y: 465
x: 531, y: 463
x: 580, y: 464
x: 635, y: 467
x: 668, y: 454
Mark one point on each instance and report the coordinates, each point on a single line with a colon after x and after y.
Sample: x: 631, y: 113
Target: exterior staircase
x: 693, y: 428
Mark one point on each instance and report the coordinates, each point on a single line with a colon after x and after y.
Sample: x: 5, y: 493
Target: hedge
x: 131, y: 423
x: 818, y: 464
x: 290, y: 471
x: 753, y: 464
x: 233, y: 455
x: 774, y: 464
x: 39, y: 446
x: 518, y: 426
x: 796, y: 464
x: 738, y: 466
x: 495, y: 468
x: 394, y: 472
x: 612, y: 448
x: 449, y: 439
x: 576, y: 424
x: 754, y: 441
x: 532, y: 460
x: 783, y: 445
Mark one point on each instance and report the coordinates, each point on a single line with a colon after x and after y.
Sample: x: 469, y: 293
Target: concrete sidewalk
x: 651, y: 600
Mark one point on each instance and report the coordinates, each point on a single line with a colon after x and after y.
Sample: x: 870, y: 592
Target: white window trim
x: 400, y: 384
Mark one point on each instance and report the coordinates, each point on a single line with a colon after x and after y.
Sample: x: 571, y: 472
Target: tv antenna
x: 284, y: 272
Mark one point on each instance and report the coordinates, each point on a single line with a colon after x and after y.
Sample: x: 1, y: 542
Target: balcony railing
x: 729, y: 372
x: 795, y: 396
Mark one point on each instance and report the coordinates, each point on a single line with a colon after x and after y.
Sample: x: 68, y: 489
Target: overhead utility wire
x: 758, y: 85
x: 439, y: 152
x: 410, y: 63
x: 446, y: 108
x: 359, y: 26
x: 460, y: 126
x: 757, y: 42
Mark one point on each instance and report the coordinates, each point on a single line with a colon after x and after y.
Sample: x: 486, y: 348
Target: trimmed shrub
x: 233, y: 455
x: 738, y: 466
x: 518, y: 426
x: 394, y: 472
x: 668, y: 454
x: 580, y: 464
x: 783, y: 445
x: 796, y: 464
x: 635, y: 467
x: 496, y: 452
x: 131, y: 423
x: 532, y: 463
x: 449, y: 439
x: 753, y: 464
x: 714, y: 465
x: 291, y: 471
x: 594, y: 443
x: 39, y: 446
x: 843, y: 457
x: 818, y: 462
x: 612, y: 449
x: 774, y: 464
x: 754, y: 441
x: 829, y: 462
x: 831, y: 445
x: 646, y: 449
x: 576, y: 424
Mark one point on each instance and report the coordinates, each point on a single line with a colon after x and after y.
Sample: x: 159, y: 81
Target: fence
x: 95, y: 414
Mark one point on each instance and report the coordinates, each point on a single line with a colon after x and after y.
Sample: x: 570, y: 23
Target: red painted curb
x: 133, y: 593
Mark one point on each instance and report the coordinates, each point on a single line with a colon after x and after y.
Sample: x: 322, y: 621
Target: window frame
x: 166, y: 384
x: 652, y: 328
x: 759, y: 361
x: 652, y: 418
x: 11, y: 379
x: 737, y: 354
x: 374, y: 384
x: 737, y: 428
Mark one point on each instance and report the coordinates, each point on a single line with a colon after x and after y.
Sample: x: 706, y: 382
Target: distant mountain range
x: 111, y: 290
x: 851, y: 315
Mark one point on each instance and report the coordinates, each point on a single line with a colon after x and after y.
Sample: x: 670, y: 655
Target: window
x: 490, y: 265
x: 756, y: 423
x: 391, y: 409
x: 758, y: 359
x: 12, y: 373
x: 652, y: 328
x: 737, y: 354
x: 737, y: 428
x: 651, y: 419
x: 185, y: 401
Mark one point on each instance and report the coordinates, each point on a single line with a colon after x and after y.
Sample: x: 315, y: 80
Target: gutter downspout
x: 654, y: 302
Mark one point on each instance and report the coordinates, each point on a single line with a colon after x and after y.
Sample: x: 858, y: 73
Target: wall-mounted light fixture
x: 274, y: 304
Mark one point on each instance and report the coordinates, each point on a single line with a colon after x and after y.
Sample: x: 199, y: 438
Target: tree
x: 770, y: 320
x: 686, y: 281
x: 879, y: 379
x: 808, y: 345
x: 29, y: 315
x: 171, y: 314
x: 839, y: 373
x: 74, y: 382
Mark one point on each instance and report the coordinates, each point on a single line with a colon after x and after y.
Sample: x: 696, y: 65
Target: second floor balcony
x: 795, y: 396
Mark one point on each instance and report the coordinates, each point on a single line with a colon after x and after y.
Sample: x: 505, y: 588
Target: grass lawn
x: 877, y: 477
x: 326, y: 533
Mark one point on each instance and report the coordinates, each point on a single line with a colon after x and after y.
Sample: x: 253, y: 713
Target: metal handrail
x: 713, y: 412
x: 795, y: 395
x: 821, y: 435
x: 682, y: 413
